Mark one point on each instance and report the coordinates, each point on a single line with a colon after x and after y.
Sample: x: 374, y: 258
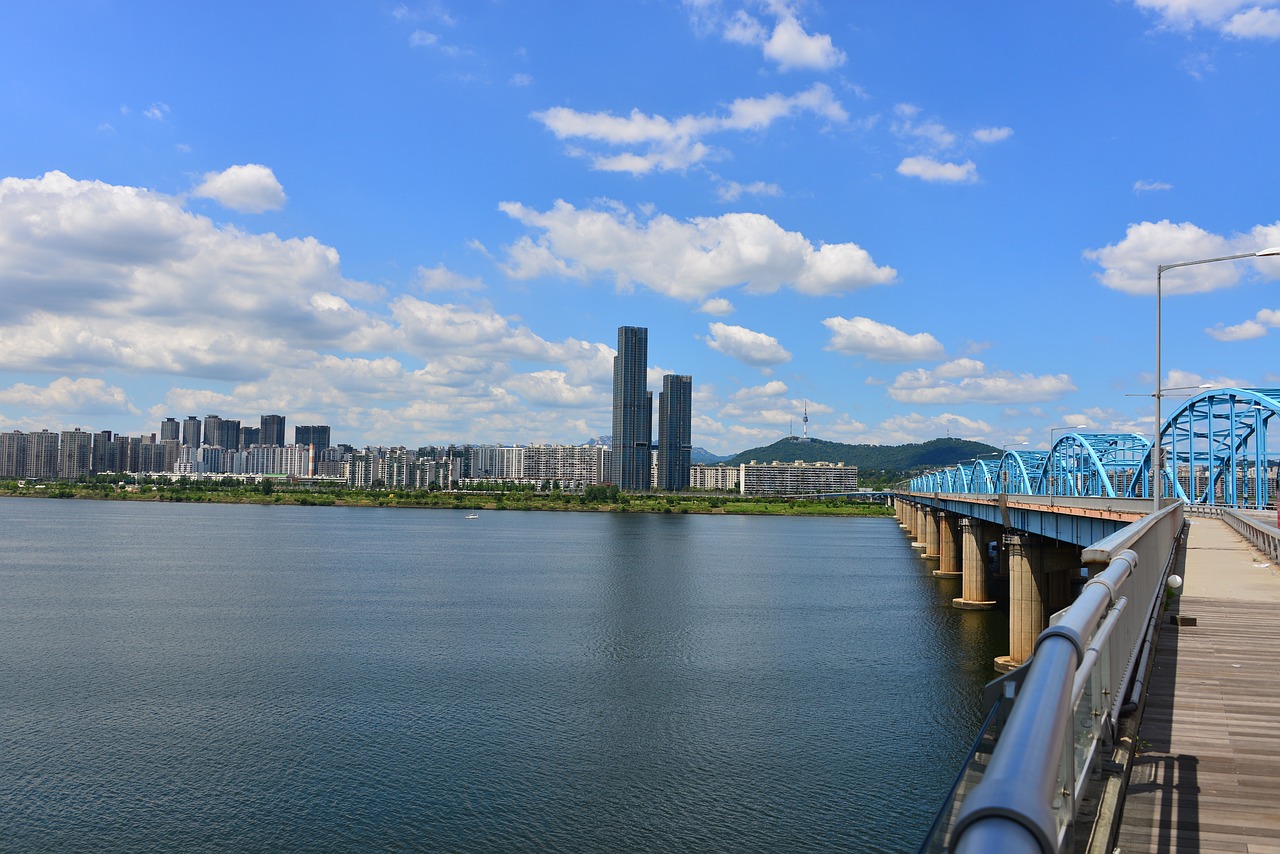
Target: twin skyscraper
x: 633, y: 468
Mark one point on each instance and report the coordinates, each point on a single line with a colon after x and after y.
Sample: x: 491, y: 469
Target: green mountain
x: 894, y: 460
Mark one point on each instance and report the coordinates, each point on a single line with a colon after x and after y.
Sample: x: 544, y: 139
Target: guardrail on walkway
x: 1019, y: 788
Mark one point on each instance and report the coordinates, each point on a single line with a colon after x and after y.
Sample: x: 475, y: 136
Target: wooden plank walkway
x: 1208, y: 775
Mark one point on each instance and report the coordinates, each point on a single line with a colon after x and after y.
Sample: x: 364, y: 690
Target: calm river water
x: 211, y: 678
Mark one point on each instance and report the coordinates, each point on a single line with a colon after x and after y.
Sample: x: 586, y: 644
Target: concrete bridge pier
x: 931, y: 533
x: 1039, y: 585
x: 918, y: 517
x: 948, y: 541
x: 973, y: 562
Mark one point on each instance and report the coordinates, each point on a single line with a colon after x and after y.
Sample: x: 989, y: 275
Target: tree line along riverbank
x: 597, y: 499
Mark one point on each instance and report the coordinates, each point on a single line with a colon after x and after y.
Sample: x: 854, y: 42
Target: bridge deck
x: 1208, y: 777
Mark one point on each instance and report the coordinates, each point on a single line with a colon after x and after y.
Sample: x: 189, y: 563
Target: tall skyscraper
x: 272, y: 431
x: 213, y: 431
x: 312, y: 434
x: 169, y: 429
x: 191, y: 431
x: 632, y: 411
x: 675, y: 432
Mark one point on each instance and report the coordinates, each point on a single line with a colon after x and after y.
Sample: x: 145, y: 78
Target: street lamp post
x: 1156, y: 449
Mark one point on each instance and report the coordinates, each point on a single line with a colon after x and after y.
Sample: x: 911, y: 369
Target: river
x: 182, y: 677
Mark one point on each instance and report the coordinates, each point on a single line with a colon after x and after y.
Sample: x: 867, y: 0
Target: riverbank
x: 283, y: 494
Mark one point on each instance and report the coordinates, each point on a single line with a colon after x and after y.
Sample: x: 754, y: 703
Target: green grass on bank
x: 598, y: 499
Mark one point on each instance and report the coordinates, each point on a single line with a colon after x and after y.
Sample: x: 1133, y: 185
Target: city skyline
x: 420, y: 222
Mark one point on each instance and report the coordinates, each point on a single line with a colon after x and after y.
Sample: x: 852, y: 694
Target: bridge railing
x: 1018, y: 790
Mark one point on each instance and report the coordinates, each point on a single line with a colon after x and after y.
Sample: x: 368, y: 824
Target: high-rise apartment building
x: 632, y: 411
x: 272, y: 431
x: 675, y: 433
x: 42, y: 455
x: 13, y: 454
x: 75, y: 454
x: 169, y: 430
x: 250, y: 436
x: 314, y: 434
x: 191, y: 431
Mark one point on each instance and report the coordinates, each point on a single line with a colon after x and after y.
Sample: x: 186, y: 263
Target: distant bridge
x: 1214, y: 451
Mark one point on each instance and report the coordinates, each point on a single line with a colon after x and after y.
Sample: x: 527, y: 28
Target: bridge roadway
x: 1207, y: 776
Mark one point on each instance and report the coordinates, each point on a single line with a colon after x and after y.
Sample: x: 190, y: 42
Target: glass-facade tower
x: 632, y: 411
x: 675, y: 433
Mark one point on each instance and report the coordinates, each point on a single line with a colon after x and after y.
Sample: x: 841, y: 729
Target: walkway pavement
x: 1208, y: 775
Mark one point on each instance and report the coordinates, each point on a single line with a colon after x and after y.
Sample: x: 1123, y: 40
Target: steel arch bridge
x: 1213, y: 451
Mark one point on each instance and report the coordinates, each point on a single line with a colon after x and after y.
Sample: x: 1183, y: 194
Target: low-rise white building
x: 718, y: 477
x: 798, y: 478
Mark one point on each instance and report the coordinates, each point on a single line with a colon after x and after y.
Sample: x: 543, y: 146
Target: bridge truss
x: 1213, y: 451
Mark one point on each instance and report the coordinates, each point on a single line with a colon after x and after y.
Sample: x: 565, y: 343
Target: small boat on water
x: 473, y: 515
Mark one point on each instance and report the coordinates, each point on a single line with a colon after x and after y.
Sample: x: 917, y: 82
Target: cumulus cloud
x: 862, y: 336
x: 967, y: 381
x: 914, y: 427
x: 786, y: 42
x: 1244, y: 19
x: 718, y: 307
x: 101, y: 278
x: 1141, y: 186
x: 996, y: 134
x: 773, y: 388
x: 1130, y: 265
x: 251, y: 188
x: 65, y: 394
x: 689, y: 260
x: 1264, y: 320
x: 639, y: 143
x: 929, y: 169
x: 745, y: 345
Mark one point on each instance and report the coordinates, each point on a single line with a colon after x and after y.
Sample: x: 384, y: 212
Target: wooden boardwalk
x: 1207, y: 778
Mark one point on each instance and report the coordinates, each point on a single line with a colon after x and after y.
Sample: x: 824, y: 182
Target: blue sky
x: 423, y: 222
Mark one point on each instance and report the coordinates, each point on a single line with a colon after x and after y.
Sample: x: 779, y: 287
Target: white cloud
x: 82, y: 395
x: 787, y: 43
x: 521, y: 79
x: 932, y: 133
x: 654, y: 142
x: 731, y: 191
x: 688, y: 260
x: 1130, y: 265
x: 745, y: 345
x: 914, y: 427
x: 158, y: 111
x: 1141, y: 186
x: 994, y: 134
x: 1265, y: 319
x: 717, y: 307
x: 773, y: 388
x: 1238, y: 18
x: 441, y: 278
x: 928, y: 169
x: 1254, y: 23
x: 251, y: 188
x: 862, y: 336
x: 793, y: 48
x: 937, y: 387
x: 100, y: 277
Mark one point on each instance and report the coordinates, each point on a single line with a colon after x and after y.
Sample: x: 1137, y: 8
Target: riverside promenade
x: 1207, y: 777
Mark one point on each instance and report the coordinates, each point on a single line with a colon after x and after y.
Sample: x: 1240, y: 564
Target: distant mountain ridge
x: 870, y: 459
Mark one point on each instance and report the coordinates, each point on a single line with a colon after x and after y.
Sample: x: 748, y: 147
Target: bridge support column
x: 973, y: 564
x: 948, y: 538
x: 1026, y: 603
x: 918, y: 513
x: 931, y: 515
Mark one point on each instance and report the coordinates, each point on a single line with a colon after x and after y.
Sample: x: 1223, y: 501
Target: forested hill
x: 870, y: 459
